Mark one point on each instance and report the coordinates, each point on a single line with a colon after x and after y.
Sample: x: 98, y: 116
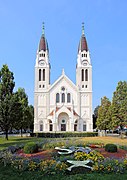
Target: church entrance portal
x: 63, y: 125
x: 63, y: 120
x: 50, y: 125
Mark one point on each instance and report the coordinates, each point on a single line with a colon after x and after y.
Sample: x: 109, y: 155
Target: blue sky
x: 105, y: 30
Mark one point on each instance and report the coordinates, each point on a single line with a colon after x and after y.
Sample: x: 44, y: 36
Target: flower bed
x: 41, y: 154
x: 47, y: 154
x: 116, y: 155
x: 50, y: 161
x: 95, y: 145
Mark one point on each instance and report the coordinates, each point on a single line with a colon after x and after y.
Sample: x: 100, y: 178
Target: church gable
x: 63, y: 79
x: 63, y: 88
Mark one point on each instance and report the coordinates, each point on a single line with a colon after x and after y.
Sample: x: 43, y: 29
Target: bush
x: 110, y: 166
x: 93, y: 155
x: 64, y: 134
x: 111, y: 148
x: 30, y: 147
x: 12, y: 149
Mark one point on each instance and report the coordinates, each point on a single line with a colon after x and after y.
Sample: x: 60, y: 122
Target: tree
x: 103, y: 114
x: 95, y: 115
x: 109, y: 117
x: 22, y: 122
x: 119, y: 105
x: 6, y: 98
x: 31, y: 117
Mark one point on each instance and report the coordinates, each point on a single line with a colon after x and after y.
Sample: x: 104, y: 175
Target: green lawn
x: 16, y: 141
x: 22, y: 140
x: 8, y: 173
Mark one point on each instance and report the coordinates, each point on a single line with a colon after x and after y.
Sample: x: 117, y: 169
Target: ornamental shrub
x: 93, y: 155
x: 110, y: 166
x: 110, y: 148
x: 61, y: 167
x: 47, y: 166
x: 30, y: 147
x: 64, y: 134
x: 32, y: 166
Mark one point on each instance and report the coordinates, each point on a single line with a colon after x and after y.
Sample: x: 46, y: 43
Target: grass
x: 105, y: 140
x: 12, y: 174
x: 16, y: 141
x: 22, y: 140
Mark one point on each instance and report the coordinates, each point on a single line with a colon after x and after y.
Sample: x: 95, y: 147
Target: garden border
x: 64, y: 134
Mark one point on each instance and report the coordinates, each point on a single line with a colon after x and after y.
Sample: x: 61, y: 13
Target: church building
x: 63, y: 105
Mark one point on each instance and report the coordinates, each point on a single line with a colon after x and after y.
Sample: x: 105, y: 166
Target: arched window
x: 50, y: 125
x: 63, y: 97
x: 41, y: 127
x: 84, y: 126
x: 76, y: 125
x: 68, y: 98
x: 39, y: 74
x: 86, y: 75
x: 43, y: 74
x: 57, y: 98
x: 82, y: 74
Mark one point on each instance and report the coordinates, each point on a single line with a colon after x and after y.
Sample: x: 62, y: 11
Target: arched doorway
x: 63, y: 125
x: 63, y: 122
x: 76, y: 125
x: 50, y: 125
x: 41, y: 125
x: 84, y: 126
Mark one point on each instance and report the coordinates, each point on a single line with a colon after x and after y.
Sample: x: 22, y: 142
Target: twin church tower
x: 63, y: 105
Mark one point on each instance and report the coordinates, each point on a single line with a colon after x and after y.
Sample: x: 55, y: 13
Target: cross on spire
x: 43, y: 28
x: 83, y: 28
x: 63, y: 72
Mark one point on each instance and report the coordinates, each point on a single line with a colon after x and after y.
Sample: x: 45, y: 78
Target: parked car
x: 1, y: 132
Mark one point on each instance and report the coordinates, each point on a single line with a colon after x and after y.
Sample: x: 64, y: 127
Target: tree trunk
x: 6, y: 134
x: 121, y: 132
x: 105, y: 132
x: 21, y: 131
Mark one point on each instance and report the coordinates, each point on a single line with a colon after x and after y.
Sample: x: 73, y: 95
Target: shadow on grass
x: 16, y: 141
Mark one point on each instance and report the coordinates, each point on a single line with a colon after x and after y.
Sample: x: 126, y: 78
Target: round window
x: 63, y: 121
x: 63, y: 88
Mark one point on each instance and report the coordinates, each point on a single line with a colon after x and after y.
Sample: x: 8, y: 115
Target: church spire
x: 43, y: 42
x: 83, y: 43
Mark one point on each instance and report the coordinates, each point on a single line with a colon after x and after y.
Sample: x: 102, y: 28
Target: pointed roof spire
x: 83, y: 43
x: 43, y: 42
x: 83, y: 32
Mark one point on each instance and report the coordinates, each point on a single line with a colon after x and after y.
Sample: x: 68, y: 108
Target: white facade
x: 63, y: 106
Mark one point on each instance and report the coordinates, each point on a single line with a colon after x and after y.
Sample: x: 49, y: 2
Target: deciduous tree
x: 22, y: 122
x: 103, y: 114
x: 31, y: 117
x: 6, y: 98
x: 119, y: 105
x: 95, y: 115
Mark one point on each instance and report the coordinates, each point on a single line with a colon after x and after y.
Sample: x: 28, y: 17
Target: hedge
x: 64, y: 134
x: 110, y: 148
x: 31, y: 147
